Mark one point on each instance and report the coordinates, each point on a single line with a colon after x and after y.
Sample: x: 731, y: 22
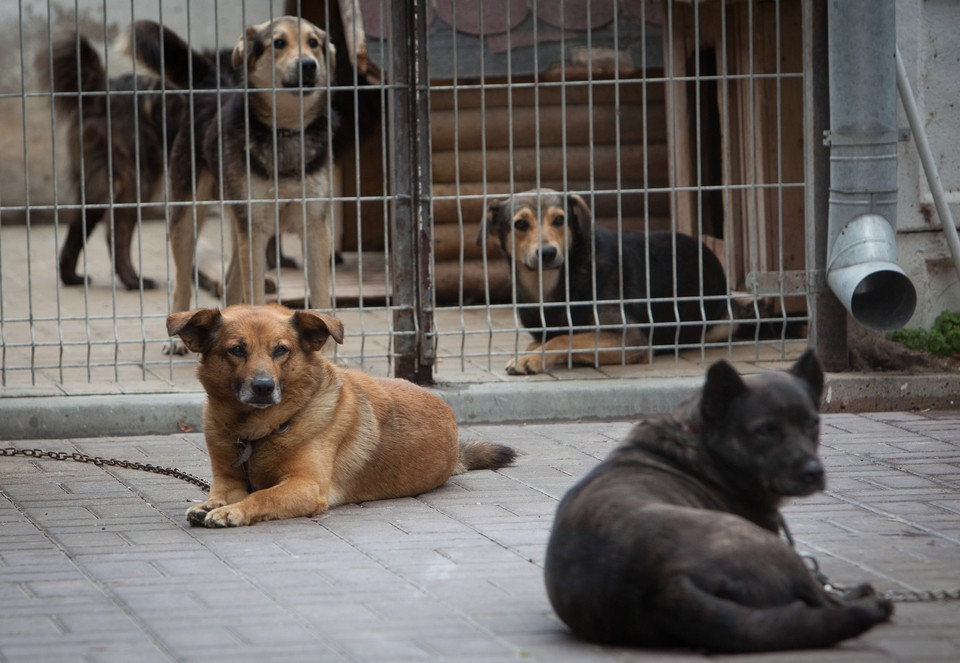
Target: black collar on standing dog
x: 245, y: 450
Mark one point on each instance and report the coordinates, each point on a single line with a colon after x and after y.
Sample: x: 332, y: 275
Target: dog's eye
x: 279, y: 351
x: 766, y: 433
x: 559, y: 220
x: 237, y: 350
x: 279, y: 43
x: 521, y: 224
x: 313, y: 43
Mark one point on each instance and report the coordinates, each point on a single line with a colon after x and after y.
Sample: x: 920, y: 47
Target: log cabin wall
x: 603, y: 138
x: 588, y: 138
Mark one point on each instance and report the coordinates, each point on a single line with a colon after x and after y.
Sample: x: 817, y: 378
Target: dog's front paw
x: 197, y: 514
x: 226, y: 516
x: 871, y: 610
x: 531, y: 364
x: 867, y: 604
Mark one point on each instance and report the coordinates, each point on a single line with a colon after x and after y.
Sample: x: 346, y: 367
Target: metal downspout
x: 926, y: 160
x: 862, y: 265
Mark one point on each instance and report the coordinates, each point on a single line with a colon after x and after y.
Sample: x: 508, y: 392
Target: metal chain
x: 908, y: 596
x: 111, y: 462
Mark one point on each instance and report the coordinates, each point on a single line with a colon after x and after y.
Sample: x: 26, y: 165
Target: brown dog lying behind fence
x: 291, y: 434
x: 585, y: 295
x: 672, y: 540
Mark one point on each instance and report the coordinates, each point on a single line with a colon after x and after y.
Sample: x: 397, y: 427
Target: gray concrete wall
x: 928, y: 34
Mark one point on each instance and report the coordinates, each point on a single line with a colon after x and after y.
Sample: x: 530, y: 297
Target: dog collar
x: 245, y: 447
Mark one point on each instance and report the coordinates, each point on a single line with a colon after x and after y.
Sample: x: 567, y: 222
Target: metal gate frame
x: 411, y: 218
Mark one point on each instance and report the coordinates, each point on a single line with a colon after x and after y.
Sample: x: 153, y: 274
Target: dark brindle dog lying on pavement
x: 672, y: 540
x: 546, y: 234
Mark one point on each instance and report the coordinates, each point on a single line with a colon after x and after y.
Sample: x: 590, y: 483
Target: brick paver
x: 99, y: 564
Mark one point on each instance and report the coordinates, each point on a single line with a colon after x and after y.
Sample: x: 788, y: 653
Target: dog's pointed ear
x: 315, y: 328
x: 249, y: 36
x: 489, y: 224
x: 195, y: 328
x: 809, y: 370
x: 579, y: 212
x: 722, y: 386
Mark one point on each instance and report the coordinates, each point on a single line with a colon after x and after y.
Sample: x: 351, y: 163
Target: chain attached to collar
x: 109, y: 462
x: 909, y: 596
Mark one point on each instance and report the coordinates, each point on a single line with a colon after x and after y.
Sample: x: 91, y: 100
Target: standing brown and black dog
x: 587, y: 295
x: 261, y: 133
x: 672, y: 540
x: 119, y: 131
x: 291, y: 434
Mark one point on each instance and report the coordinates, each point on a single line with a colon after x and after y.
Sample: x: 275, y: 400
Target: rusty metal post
x: 412, y: 233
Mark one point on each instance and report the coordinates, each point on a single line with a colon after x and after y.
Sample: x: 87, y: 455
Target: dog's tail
x: 164, y: 53
x: 479, y: 455
x: 72, y: 66
x: 718, y: 624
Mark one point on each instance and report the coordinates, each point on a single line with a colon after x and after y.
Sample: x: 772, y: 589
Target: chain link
x: 908, y: 596
x: 110, y: 462
x: 923, y: 595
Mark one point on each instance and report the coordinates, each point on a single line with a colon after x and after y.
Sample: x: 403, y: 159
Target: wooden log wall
x: 585, y: 137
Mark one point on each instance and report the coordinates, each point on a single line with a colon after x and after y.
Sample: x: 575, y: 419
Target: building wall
x: 928, y: 35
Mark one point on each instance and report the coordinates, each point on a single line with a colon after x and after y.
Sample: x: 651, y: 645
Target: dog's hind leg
x: 701, y: 619
x: 233, y: 292
x: 183, y: 247
x: 250, y: 251
x: 124, y: 223
x: 317, y: 248
x: 77, y: 234
x: 583, y: 348
x: 275, y: 253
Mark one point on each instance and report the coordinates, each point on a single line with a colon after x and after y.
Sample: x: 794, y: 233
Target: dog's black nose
x: 812, y: 472
x: 262, y: 386
x: 308, y: 68
x: 548, y: 254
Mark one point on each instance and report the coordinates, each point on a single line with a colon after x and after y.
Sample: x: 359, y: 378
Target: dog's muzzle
x: 548, y: 256
x: 306, y: 74
x: 260, y: 392
x: 805, y: 478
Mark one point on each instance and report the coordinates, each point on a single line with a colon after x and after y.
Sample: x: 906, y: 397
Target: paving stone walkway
x: 99, y: 564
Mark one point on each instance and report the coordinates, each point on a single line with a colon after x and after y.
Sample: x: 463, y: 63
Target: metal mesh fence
x: 649, y: 119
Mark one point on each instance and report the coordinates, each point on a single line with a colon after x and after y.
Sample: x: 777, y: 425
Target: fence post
x: 828, y: 317
x: 412, y: 233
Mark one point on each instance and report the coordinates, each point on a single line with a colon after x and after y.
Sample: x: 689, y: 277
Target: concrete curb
x: 56, y: 417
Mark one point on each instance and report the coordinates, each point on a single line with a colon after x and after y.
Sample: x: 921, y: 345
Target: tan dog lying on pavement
x: 291, y: 434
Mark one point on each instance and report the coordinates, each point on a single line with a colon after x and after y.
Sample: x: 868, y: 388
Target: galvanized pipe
x: 862, y: 265
x: 926, y: 160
